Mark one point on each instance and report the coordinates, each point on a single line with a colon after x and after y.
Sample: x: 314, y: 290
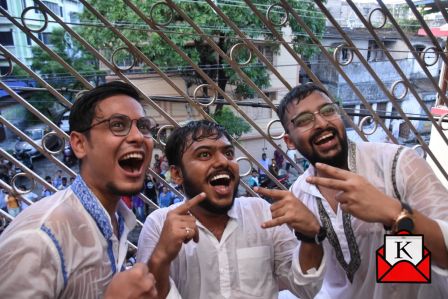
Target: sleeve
x: 287, y: 266
x: 149, y: 236
x: 31, y: 266
x: 424, y: 192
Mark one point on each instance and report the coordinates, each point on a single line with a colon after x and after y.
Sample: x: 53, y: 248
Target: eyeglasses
x: 120, y: 125
x: 306, y: 120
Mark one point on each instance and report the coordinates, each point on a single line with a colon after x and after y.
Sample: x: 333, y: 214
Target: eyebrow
x: 210, y: 147
x: 310, y: 111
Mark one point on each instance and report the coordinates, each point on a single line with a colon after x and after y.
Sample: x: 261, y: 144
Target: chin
x: 134, y: 189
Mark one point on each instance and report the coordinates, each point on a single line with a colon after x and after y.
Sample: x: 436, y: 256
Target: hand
x: 290, y: 210
x: 134, y: 283
x: 179, y: 227
x: 357, y: 196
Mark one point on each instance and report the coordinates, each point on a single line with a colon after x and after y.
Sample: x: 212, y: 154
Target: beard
x: 114, y: 189
x: 191, y: 190
x: 338, y: 160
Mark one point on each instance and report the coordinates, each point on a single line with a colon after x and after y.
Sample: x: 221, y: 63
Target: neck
x: 215, y: 223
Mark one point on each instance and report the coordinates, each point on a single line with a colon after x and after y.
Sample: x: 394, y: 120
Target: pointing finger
x: 272, y: 193
x: 329, y: 183
x: 185, y: 207
x: 333, y: 172
x: 274, y: 222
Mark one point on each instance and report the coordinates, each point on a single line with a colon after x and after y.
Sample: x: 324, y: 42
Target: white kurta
x: 417, y: 186
x: 248, y: 262
x: 63, y: 247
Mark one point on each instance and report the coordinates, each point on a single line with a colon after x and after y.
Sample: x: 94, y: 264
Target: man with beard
x: 359, y: 191
x: 233, y: 255
x: 73, y: 243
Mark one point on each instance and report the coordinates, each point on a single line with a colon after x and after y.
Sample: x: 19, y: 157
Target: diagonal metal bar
x: 398, y: 70
x: 55, y: 56
x: 405, y: 39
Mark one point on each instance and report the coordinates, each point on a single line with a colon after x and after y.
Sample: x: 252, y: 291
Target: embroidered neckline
x: 355, y: 257
x: 93, y: 206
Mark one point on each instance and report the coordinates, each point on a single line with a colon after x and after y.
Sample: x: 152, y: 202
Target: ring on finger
x: 187, y: 229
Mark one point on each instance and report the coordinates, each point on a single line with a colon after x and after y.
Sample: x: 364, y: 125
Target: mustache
x: 320, y: 131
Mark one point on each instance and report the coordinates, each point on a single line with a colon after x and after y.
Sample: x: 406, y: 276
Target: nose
x: 135, y: 136
x: 220, y: 160
x: 319, y: 120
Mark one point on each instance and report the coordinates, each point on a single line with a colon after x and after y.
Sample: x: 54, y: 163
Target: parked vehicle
x: 21, y: 146
x: 63, y: 122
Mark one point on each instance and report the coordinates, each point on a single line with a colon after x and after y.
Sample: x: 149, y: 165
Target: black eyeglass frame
x: 129, y: 120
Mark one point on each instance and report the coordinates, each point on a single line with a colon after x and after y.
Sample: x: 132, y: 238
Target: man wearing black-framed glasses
x: 74, y: 242
x: 359, y: 192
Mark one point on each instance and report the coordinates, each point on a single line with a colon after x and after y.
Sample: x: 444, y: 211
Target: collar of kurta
x: 93, y: 206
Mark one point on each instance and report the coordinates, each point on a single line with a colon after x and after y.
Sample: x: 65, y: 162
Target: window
x: 381, y: 109
x: 6, y: 38
x: 364, y: 112
x: 45, y: 37
x: 53, y: 7
x: 4, y: 4
x: 267, y: 52
x: 349, y: 109
x: 74, y: 17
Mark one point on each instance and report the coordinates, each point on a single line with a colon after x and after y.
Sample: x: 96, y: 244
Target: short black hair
x: 296, y: 94
x: 182, y: 138
x: 83, y: 110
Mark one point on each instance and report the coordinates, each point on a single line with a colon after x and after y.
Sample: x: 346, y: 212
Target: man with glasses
x: 359, y: 192
x: 73, y: 243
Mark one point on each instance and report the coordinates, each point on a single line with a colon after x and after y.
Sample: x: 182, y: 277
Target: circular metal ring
x: 10, y: 68
x: 44, y: 146
x: 115, y: 63
x: 214, y: 98
x: 159, y: 132
x: 361, y: 125
x: 171, y: 14
x: 250, y: 168
x: 25, y: 11
x: 349, y: 52
x: 394, y: 89
x: 285, y: 18
x: 420, y: 150
x: 440, y: 122
x: 268, y: 128
x: 232, y: 52
x: 382, y: 13
x: 28, y: 176
x: 425, y: 52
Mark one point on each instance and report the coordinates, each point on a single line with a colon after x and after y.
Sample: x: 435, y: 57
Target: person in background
x: 12, y: 204
x: 265, y: 163
x: 45, y: 190
x: 253, y: 180
x: 57, y: 181
x: 278, y: 156
x: 166, y: 197
x: 139, y: 207
x: 63, y: 184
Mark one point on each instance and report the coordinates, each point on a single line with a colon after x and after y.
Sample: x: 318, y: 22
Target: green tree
x: 181, y: 33
x: 235, y: 126
x: 55, y: 74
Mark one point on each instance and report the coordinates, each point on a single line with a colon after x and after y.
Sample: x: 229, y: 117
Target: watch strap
x: 317, y: 239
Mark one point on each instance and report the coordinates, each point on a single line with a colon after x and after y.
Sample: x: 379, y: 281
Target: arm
x: 179, y: 227
x: 305, y: 267
x: 420, y: 188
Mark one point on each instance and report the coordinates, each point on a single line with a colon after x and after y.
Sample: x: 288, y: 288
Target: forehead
x: 209, y: 142
x: 310, y: 103
x: 122, y: 104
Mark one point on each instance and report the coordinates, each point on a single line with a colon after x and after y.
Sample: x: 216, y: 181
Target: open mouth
x: 131, y: 162
x: 323, y: 137
x: 222, y: 179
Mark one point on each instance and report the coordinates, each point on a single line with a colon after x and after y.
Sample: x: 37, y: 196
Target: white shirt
x: 248, y: 261
x: 417, y: 186
x: 63, y: 247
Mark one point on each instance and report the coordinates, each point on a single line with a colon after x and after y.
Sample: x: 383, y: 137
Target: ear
x: 78, y: 143
x: 288, y: 141
x: 176, y: 175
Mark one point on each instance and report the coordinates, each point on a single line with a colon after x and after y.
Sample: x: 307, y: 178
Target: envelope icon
x: 403, y: 271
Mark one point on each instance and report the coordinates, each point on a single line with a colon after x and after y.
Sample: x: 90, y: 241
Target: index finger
x: 333, y: 172
x: 185, y: 207
x: 326, y: 182
x: 272, y: 193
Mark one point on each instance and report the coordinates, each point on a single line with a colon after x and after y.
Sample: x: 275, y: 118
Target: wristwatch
x: 405, y: 220
x: 317, y: 239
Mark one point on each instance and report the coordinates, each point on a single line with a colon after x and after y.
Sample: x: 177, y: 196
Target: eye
x: 303, y: 119
x: 328, y: 110
x: 144, y: 125
x: 203, y: 154
x: 230, y: 154
x: 117, y: 124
